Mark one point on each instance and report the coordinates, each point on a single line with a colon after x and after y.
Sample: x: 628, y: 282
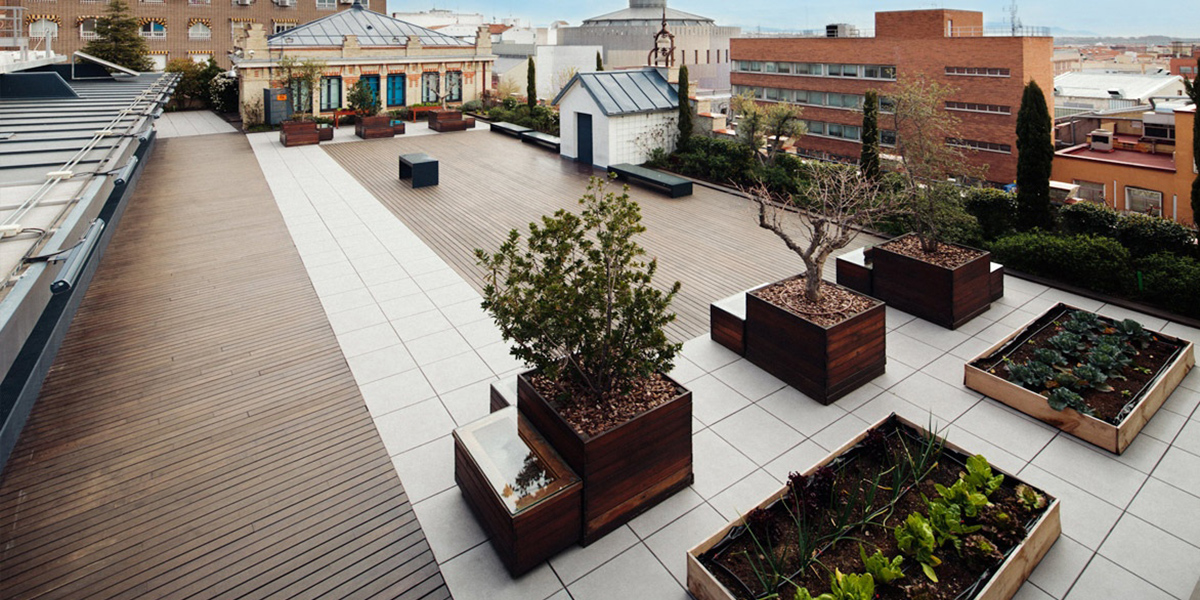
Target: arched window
x: 199, y: 31
x: 87, y: 29
x: 153, y: 29
x: 43, y: 28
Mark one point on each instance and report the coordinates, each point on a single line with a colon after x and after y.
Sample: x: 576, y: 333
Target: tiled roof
x: 372, y: 29
x: 626, y: 92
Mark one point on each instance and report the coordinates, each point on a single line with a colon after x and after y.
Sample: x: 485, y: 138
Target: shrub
x: 472, y: 106
x: 1094, y: 262
x: 1088, y: 218
x: 1144, y: 235
x: 223, y: 93
x: 995, y: 210
x: 1170, y: 281
x: 719, y: 160
x: 576, y: 298
x: 362, y: 99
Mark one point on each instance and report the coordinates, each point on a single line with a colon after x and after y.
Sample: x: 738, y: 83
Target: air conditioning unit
x: 244, y: 2
x: 1102, y: 140
x: 840, y: 30
x: 345, y: 1
x: 286, y: 2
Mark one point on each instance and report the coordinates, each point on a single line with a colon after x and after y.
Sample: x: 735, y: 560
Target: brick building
x: 828, y: 77
x: 173, y: 28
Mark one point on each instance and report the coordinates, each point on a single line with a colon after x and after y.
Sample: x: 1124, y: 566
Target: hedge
x: 994, y: 209
x: 1094, y: 262
x: 1088, y: 218
x: 1169, y: 281
x: 1145, y: 235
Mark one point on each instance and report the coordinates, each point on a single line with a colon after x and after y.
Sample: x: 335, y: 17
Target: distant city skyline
x: 1065, y: 17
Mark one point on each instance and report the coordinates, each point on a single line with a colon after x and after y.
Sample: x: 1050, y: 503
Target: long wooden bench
x: 675, y: 186
x: 509, y: 128
x: 542, y: 139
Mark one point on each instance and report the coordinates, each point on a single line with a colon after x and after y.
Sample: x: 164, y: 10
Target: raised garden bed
x: 626, y: 469
x: 825, y: 362
x: 947, y: 294
x: 846, y: 502
x: 1122, y: 389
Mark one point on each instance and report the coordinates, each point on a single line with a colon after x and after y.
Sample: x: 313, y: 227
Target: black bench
x: 509, y: 128
x: 675, y: 186
x: 542, y: 139
x: 422, y: 168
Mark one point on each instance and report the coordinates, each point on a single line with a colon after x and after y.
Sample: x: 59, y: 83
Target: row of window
x: 978, y: 145
x: 886, y: 72
x: 811, y: 97
x: 978, y: 71
x: 853, y: 133
x: 983, y: 108
x: 1136, y: 199
x: 330, y: 92
x: 42, y: 28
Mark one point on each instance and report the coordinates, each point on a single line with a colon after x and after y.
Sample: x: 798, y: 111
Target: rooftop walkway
x: 200, y: 434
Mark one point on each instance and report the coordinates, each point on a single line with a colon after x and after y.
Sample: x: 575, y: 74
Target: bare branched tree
x: 838, y: 202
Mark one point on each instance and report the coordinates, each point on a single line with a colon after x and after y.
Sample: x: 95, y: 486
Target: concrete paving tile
x: 1061, y: 567
x: 663, y: 513
x: 757, y: 434
x: 1183, y: 400
x: 635, y: 573
x: 1153, y: 555
x: 707, y: 354
x: 840, y: 432
x: 356, y: 318
x: 1170, y: 509
x: 417, y: 326
x: 801, y: 412
x: 747, y: 379
x: 577, y: 561
x: 1189, y: 437
x: 368, y: 339
x: 395, y: 392
x: 457, y: 371
x: 1014, y: 432
x: 685, y: 370
x: 744, y: 495
x: 895, y: 318
x: 1085, y: 518
x: 440, y: 278
x: 406, y: 306
x: 1091, y: 469
x: 1164, y: 426
x: 478, y: 334
x: 426, y: 470
x: 499, y: 357
x: 1105, y: 579
x: 716, y: 464
x: 470, y: 402
x: 394, y: 289
x: 405, y: 429
x: 945, y: 401
x: 378, y: 364
x: 437, y: 346
x: 672, y: 542
x: 910, y: 351
x: 798, y: 459
x: 347, y: 300
x: 478, y: 574
x: 713, y: 400
x: 1179, y: 467
x: 934, y: 335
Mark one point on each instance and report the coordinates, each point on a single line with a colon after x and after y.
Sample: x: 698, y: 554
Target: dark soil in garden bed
x: 1109, y: 406
x: 837, y: 304
x: 946, y: 255
x: 591, y: 416
x: 855, y: 477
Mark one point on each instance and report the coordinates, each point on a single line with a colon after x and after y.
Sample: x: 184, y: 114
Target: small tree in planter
x: 576, y: 302
x: 362, y: 99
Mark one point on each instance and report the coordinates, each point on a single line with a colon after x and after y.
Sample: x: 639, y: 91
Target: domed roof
x: 647, y: 13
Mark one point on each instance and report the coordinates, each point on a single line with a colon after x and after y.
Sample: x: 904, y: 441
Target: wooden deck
x: 492, y: 183
x: 200, y: 434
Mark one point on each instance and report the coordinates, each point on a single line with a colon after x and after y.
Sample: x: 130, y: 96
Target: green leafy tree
x: 531, y: 86
x: 869, y: 161
x: 117, y: 39
x: 362, y: 99
x: 576, y: 300
x: 302, y: 77
x: 599, y: 62
x: 685, y: 111
x: 1035, y: 154
x: 1192, y: 87
x: 194, y: 83
x: 768, y: 127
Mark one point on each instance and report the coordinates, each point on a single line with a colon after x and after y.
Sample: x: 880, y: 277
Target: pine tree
x: 1035, y: 154
x: 117, y: 39
x: 1192, y: 87
x: 531, y: 87
x: 869, y: 161
x: 685, y: 111
x: 599, y: 62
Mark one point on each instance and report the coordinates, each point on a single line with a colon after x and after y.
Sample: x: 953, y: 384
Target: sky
x: 1067, y: 17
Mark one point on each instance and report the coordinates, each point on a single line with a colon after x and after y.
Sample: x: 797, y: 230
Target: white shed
x: 614, y: 117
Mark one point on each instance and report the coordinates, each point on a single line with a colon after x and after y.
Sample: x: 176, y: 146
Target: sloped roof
x: 372, y: 29
x: 647, y: 16
x: 626, y: 92
x: 1096, y: 85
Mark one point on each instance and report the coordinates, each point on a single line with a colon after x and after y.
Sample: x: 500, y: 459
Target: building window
x: 299, y: 93
x: 199, y: 2
x: 981, y: 108
x: 331, y: 93
x: 282, y: 27
x: 87, y: 29
x: 43, y: 28
x: 199, y: 31
x: 887, y: 137
x: 1162, y: 132
x: 325, y: 5
x: 1143, y: 201
x: 396, y: 85
x: 978, y: 71
x: 158, y: 62
x: 978, y: 145
x: 454, y: 86
x: 201, y: 58
x: 153, y: 29
x: 430, y: 87
x: 1091, y: 191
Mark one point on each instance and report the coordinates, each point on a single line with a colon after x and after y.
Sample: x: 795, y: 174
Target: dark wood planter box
x: 825, y: 363
x: 854, y: 271
x: 298, y: 133
x: 397, y: 127
x: 374, y: 127
x: 325, y: 133
x: 946, y: 297
x: 625, y: 470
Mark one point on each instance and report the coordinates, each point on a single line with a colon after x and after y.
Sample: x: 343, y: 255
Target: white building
x: 614, y: 117
x: 1084, y: 91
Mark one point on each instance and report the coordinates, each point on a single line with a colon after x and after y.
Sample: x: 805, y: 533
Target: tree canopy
x: 117, y: 39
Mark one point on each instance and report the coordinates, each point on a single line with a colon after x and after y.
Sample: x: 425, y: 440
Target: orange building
x: 828, y: 77
x: 1143, y: 165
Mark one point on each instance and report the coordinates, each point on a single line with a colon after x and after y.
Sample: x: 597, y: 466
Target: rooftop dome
x: 647, y: 13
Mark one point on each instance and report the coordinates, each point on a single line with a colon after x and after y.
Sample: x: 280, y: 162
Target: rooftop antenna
x: 1012, y: 16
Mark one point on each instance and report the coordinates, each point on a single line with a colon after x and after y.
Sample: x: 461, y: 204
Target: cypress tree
x: 1035, y: 153
x: 599, y: 62
x: 869, y: 161
x: 685, y: 110
x: 117, y: 39
x: 531, y: 87
x: 1192, y: 87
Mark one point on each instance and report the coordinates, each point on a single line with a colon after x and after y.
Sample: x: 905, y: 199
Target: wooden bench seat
x: 511, y: 129
x: 671, y: 184
x: 542, y: 139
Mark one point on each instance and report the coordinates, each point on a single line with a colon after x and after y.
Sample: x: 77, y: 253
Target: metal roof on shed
x: 626, y: 92
x: 371, y: 28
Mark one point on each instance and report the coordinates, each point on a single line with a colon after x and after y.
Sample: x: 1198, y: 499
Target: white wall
x: 555, y: 62
x: 625, y: 139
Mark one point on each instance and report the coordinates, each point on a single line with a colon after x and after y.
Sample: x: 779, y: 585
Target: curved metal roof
x: 372, y: 29
x: 647, y: 13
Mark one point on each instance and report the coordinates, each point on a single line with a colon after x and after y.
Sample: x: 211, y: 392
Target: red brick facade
x: 916, y: 42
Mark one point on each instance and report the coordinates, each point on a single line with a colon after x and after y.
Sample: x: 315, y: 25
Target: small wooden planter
x: 825, y: 363
x: 1003, y: 584
x: 1114, y: 438
x: 298, y: 133
x: 369, y: 128
x: 325, y: 133
x: 625, y: 470
x: 946, y: 297
x: 397, y: 127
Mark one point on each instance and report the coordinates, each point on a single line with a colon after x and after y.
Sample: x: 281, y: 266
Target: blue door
x: 373, y: 81
x: 395, y: 90
x: 584, y: 137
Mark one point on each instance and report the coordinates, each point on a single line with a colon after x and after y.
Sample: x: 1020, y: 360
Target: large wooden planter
x: 825, y: 363
x: 946, y: 297
x: 374, y: 127
x: 625, y: 470
x: 1114, y: 438
x: 1002, y: 585
x: 298, y: 133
